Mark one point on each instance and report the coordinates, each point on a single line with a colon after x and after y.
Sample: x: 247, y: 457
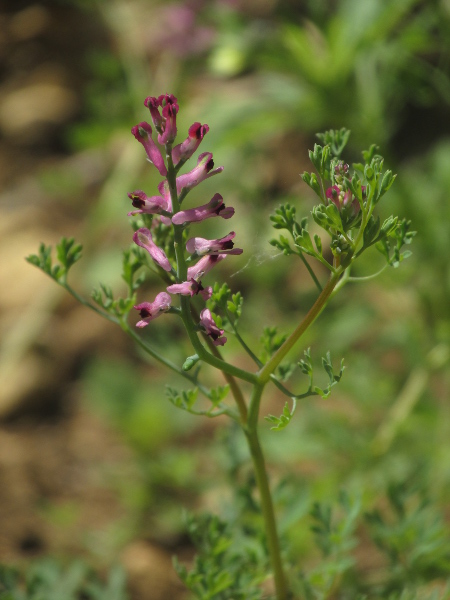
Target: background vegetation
x: 94, y: 462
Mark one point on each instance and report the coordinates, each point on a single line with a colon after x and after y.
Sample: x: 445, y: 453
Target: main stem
x: 251, y: 433
x: 267, y: 508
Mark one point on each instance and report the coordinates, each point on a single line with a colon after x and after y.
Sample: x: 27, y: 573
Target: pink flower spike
x: 214, y: 208
x: 153, y: 205
x: 207, y: 323
x: 143, y: 134
x: 186, y: 149
x: 204, y: 265
x: 203, y: 170
x: 152, y: 310
x: 190, y: 288
x: 142, y: 237
x: 224, y: 245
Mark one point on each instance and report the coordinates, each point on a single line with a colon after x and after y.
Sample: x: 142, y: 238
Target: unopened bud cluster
x: 339, y: 193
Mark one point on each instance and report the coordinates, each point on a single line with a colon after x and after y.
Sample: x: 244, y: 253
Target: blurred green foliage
x: 48, y: 580
x: 266, y: 83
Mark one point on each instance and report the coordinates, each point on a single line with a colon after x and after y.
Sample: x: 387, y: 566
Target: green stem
x: 267, y: 507
x: 154, y: 354
x: 249, y: 419
x: 204, y: 354
x: 310, y: 271
x: 244, y: 344
x: 251, y: 433
x: 84, y: 302
x: 314, y: 312
x: 367, y: 277
x: 342, y: 281
x: 234, y: 387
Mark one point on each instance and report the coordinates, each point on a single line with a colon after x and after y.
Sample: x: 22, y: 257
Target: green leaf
x: 133, y: 259
x: 184, y: 399
x: 318, y: 243
x: 67, y: 252
x: 283, y: 420
x: 283, y: 245
x: 369, y: 154
x: 336, y: 139
x: 284, y: 217
x: 386, y: 182
x: 219, y: 393
x: 311, y: 180
x: 303, y: 241
x: 328, y: 217
x: 271, y: 341
x: 371, y: 232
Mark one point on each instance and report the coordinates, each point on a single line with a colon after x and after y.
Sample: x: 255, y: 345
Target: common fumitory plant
x: 165, y: 245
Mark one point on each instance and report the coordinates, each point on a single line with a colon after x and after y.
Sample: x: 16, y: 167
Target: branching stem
x: 314, y: 312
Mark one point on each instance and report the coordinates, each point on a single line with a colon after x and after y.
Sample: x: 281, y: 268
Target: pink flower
x: 214, y: 208
x: 190, y: 288
x: 163, y: 189
x: 151, y: 310
x: 186, y: 149
x: 342, y: 199
x: 142, y: 237
x: 203, y: 170
x: 209, y: 326
x: 153, y: 205
x: 204, y: 265
x: 143, y: 134
x: 153, y: 105
x: 223, y: 245
x: 165, y: 123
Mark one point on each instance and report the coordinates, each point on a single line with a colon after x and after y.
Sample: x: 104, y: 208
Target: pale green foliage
x: 47, y: 580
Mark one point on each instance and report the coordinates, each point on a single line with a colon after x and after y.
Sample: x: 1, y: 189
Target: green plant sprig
x: 344, y: 214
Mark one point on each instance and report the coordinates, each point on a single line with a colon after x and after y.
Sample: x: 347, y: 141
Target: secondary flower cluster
x: 163, y: 111
x: 339, y: 194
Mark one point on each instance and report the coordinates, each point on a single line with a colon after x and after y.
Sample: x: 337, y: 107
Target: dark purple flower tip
x: 224, y: 245
x: 186, y: 149
x: 143, y: 237
x: 209, y: 326
x: 147, y: 205
x: 151, y: 310
x: 190, y: 288
x: 214, y: 208
x: 143, y: 134
x: 168, y: 100
x: 165, y: 123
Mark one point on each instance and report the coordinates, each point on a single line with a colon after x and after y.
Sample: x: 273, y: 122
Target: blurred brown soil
x: 58, y: 498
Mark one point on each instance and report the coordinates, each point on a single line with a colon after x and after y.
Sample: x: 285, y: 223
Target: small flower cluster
x: 339, y: 194
x: 166, y: 207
